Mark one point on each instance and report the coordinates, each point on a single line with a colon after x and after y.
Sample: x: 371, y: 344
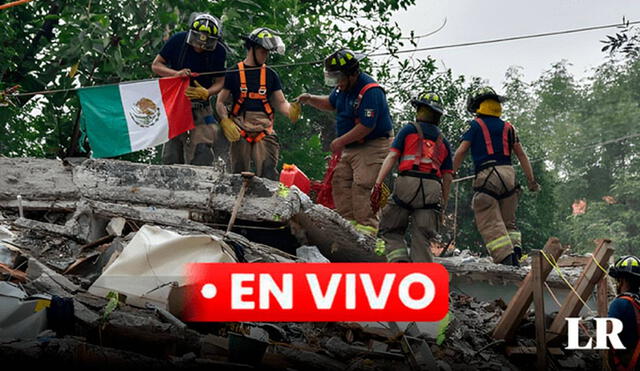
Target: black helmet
x: 428, y: 99
x: 626, y: 266
x: 480, y: 95
x: 339, y: 64
x: 204, y: 32
x: 266, y: 38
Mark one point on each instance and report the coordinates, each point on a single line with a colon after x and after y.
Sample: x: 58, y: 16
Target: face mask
x: 333, y: 78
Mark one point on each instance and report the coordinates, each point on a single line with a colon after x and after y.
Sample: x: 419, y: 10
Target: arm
x: 223, y: 97
x: 461, y: 152
x: 280, y: 103
x: 320, y: 102
x: 387, y: 166
x: 358, y: 132
x: 526, y: 165
x: 218, y: 83
x: 160, y: 68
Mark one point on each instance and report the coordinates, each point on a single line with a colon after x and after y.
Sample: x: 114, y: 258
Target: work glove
x: 295, y: 109
x: 379, y: 196
x: 533, y: 186
x: 197, y: 92
x: 230, y: 130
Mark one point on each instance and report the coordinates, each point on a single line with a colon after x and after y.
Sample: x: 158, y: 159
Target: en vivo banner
x: 317, y: 292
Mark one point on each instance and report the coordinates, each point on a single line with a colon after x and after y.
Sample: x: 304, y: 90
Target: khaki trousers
x: 263, y: 154
x: 496, y: 219
x: 423, y: 224
x: 354, y: 177
x: 194, y: 147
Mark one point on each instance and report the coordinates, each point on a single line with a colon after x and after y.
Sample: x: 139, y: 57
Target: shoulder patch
x: 369, y: 113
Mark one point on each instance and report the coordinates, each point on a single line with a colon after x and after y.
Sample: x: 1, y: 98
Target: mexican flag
x: 128, y: 117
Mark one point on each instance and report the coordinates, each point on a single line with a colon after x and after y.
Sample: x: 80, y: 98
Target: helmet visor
x: 273, y: 44
x: 332, y: 78
x: 202, y: 40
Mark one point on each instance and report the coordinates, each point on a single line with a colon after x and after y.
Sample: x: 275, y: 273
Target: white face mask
x: 333, y: 78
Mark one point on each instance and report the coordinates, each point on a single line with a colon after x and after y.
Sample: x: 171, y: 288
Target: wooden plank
x: 602, y: 300
x: 538, y: 302
x: 602, y: 296
x: 584, y: 287
x: 521, y: 301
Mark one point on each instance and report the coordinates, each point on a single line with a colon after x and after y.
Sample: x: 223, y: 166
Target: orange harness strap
x: 260, y: 95
x: 506, y: 148
x: 486, y: 135
x: 255, y: 139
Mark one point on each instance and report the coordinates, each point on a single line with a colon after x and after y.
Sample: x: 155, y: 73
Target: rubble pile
x: 73, y: 221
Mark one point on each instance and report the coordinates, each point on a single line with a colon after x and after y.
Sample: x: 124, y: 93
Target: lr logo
x: 602, y: 334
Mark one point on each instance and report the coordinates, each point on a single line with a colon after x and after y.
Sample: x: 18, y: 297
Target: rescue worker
x: 626, y: 308
x: 255, y: 91
x: 364, y: 131
x: 198, y: 50
x: 422, y: 188
x: 492, y: 142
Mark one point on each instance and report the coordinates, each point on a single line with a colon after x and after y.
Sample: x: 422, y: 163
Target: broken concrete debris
x: 106, y: 240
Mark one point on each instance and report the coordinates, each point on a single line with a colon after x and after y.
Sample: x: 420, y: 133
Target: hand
x: 534, y: 186
x: 336, y: 145
x: 230, y: 130
x: 295, y: 109
x: 376, y: 195
x: 379, y: 196
x: 197, y: 92
x: 303, y: 98
x: 183, y: 72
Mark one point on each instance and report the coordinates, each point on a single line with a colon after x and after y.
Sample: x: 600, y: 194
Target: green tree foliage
x: 109, y: 41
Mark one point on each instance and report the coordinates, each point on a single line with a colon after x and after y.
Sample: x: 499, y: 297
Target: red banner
x: 275, y: 292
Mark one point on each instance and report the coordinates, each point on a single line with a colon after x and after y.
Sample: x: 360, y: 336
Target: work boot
x: 512, y: 260
x: 517, y: 251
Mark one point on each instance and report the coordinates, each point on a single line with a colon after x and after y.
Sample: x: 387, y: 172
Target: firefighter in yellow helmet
x: 255, y: 93
x: 493, y: 142
x: 198, y: 50
x: 363, y: 134
x: 421, y: 191
x: 626, y: 308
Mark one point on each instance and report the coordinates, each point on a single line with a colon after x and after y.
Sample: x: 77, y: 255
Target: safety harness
x: 432, y: 155
x: 356, y: 105
x: 434, y: 159
x: 507, y: 143
x: 636, y: 353
x: 358, y: 100
x: 261, y: 95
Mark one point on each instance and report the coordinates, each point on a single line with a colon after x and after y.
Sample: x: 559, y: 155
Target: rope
x: 599, y: 266
x: 582, y: 326
x: 14, y: 3
x: 589, y: 146
x: 512, y: 38
x: 557, y: 269
x: 455, y: 216
x: 447, y: 46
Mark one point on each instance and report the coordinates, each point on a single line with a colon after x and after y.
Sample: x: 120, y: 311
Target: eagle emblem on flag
x: 145, y: 113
